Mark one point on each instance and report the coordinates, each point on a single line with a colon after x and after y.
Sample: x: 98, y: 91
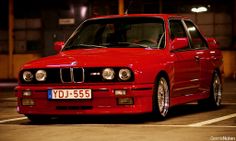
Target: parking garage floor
x: 185, y: 122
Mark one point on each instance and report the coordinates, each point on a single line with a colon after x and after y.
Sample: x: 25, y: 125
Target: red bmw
x: 129, y: 64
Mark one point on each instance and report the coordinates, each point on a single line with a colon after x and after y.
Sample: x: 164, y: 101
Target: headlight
x: 124, y: 74
x: 27, y: 76
x: 41, y: 75
x: 108, y: 74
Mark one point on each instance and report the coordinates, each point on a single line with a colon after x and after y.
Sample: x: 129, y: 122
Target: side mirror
x: 179, y: 43
x: 58, y: 46
x: 212, y: 43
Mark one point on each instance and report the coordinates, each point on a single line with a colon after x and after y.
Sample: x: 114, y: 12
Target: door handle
x: 197, y: 58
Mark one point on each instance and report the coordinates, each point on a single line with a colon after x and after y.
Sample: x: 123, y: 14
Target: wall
x: 229, y: 64
x: 18, y: 61
x: 4, y: 66
x: 217, y: 25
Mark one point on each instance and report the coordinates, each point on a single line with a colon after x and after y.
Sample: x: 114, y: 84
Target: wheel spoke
x: 217, y: 90
x: 163, y: 97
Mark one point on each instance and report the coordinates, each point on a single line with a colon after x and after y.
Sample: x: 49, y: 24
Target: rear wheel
x: 214, y: 100
x: 161, y: 98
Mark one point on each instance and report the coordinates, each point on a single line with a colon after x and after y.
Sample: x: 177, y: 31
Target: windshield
x: 119, y: 32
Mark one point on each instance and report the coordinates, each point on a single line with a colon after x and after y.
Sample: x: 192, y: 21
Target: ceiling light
x: 199, y: 9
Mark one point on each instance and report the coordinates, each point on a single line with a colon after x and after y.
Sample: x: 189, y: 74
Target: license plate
x: 69, y: 94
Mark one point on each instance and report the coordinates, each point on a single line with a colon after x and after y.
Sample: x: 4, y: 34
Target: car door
x: 199, y: 44
x: 186, y: 64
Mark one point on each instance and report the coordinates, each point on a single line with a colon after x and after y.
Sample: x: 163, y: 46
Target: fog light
x: 27, y: 93
x: 27, y: 102
x: 120, y: 92
x: 125, y: 101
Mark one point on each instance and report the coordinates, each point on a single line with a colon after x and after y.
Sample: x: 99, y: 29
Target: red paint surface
x: 189, y: 74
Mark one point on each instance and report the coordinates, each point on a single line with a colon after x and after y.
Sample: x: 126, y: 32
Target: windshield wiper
x: 83, y: 45
x: 88, y: 45
x: 135, y: 44
x: 126, y: 43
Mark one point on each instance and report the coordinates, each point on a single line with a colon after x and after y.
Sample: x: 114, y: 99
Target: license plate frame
x: 69, y: 94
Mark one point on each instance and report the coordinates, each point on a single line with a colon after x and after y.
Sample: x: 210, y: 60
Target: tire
x: 161, y: 98
x: 214, y: 100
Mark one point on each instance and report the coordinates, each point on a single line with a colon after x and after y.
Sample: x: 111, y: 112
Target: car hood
x: 97, y: 57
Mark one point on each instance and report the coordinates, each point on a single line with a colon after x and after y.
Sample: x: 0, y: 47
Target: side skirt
x: 188, y: 98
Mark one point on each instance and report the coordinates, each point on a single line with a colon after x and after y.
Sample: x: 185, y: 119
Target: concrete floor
x: 185, y: 122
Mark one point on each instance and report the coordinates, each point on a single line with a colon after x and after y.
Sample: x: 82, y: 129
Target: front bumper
x: 104, y: 100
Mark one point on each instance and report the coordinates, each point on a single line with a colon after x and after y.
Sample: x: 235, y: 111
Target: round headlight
x: 27, y: 76
x: 41, y: 75
x: 108, y: 74
x: 124, y: 74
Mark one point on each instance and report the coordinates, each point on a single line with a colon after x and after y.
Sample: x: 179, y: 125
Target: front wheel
x: 161, y: 98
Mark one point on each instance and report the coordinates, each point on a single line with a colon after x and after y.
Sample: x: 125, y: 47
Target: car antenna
x: 127, y: 10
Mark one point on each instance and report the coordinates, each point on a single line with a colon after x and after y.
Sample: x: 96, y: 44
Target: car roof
x: 163, y: 16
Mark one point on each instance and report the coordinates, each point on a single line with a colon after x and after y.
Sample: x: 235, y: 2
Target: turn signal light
x: 120, y: 92
x: 26, y: 93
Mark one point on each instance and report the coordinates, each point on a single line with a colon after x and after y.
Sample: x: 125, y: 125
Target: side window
x: 177, y: 29
x: 197, y: 39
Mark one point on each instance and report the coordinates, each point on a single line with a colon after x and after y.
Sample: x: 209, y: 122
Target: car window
x: 196, y: 38
x: 119, y: 32
x: 177, y: 29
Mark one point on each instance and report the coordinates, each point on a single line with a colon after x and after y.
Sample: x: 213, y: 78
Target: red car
x: 131, y: 64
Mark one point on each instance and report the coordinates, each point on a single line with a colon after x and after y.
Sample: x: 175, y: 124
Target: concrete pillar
x: 160, y: 6
x: 11, y: 38
x: 234, y: 25
x: 121, y: 7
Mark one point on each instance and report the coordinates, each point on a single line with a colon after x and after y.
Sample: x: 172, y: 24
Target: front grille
x: 78, y: 74
x: 52, y: 76
x: 71, y: 75
x: 57, y: 76
x: 65, y: 75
